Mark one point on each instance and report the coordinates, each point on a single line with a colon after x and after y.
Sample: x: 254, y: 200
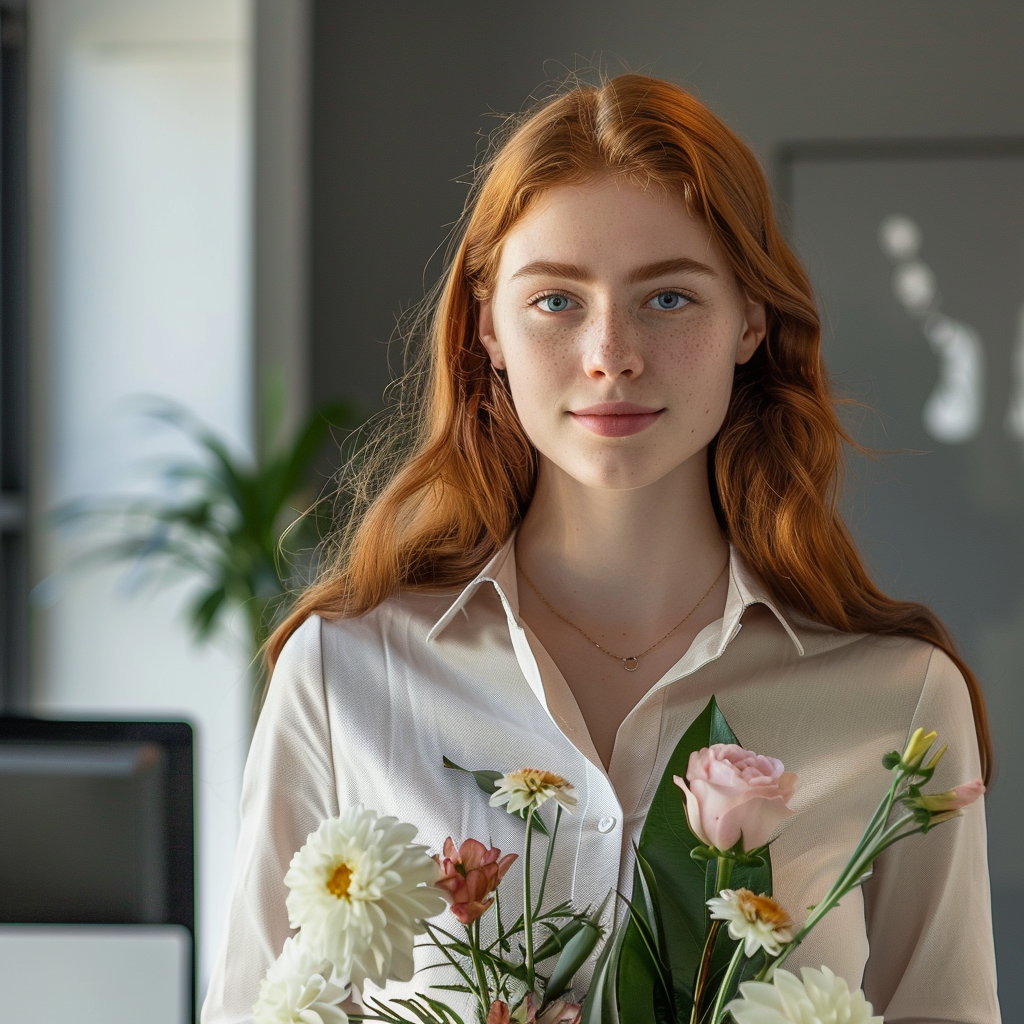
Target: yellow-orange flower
x: 757, y: 920
x: 530, y: 787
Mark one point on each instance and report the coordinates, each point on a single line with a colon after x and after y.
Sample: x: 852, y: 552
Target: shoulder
x: 302, y: 649
x: 872, y: 649
x: 296, y: 684
x: 869, y: 691
x: 396, y: 628
x: 872, y: 662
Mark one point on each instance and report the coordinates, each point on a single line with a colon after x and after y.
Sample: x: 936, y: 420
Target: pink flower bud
x: 499, y: 1013
x: 953, y: 799
x: 558, y: 1012
x: 734, y: 792
x: 561, y: 1012
x: 469, y: 875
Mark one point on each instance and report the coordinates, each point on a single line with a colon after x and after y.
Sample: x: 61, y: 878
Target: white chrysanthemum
x: 758, y: 920
x: 531, y: 787
x: 300, y: 988
x: 359, y: 891
x: 821, y: 998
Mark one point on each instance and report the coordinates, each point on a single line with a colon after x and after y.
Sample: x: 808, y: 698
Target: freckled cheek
x: 537, y: 352
x: 697, y: 359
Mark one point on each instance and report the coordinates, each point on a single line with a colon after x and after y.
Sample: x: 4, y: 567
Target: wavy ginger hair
x: 432, y: 504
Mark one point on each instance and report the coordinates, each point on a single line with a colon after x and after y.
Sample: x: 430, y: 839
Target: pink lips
x: 616, y: 419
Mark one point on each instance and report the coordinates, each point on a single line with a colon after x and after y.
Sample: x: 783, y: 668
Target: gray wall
x: 401, y: 93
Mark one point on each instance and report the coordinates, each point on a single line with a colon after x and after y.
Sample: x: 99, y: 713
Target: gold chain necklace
x: 632, y: 663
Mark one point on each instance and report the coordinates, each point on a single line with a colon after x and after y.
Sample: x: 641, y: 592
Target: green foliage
x: 601, y: 1005
x: 424, y: 1009
x: 235, y: 525
x: 663, y: 942
x: 584, y: 937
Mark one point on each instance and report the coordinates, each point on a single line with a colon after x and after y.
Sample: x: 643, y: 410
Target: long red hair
x: 445, y: 482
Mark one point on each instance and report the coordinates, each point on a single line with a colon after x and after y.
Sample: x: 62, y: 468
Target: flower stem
x: 723, y: 873
x: 547, y: 859
x: 734, y: 964
x: 446, y: 951
x: 704, y: 970
x: 528, y: 904
x: 473, y: 934
x: 863, y: 857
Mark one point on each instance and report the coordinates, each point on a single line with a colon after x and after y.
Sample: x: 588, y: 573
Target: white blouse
x: 364, y: 710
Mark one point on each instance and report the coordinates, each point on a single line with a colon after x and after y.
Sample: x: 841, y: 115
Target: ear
x: 485, y: 327
x: 755, y: 327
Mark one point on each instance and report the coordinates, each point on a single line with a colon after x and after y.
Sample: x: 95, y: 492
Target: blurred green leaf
x: 241, y: 527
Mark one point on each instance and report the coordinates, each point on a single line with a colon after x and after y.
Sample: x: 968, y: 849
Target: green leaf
x: 655, y: 969
x: 311, y: 439
x: 575, y: 954
x: 443, y: 1010
x: 682, y: 888
x: 652, y: 901
x: 421, y: 1006
x: 651, y: 945
x: 602, y: 1003
x: 206, y: 609
x: 226, y: 519
x: 557, y: 940
x: 486, y: 779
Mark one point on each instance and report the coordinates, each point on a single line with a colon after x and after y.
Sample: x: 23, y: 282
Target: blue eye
x: 668, y: 300
x: 554, y: 303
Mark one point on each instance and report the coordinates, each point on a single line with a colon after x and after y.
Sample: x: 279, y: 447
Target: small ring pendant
x: 630, y: 664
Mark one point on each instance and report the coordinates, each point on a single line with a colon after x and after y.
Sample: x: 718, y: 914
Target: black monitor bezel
x: 176, y: 739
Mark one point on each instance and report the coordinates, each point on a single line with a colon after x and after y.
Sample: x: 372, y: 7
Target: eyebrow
x: 546, y: 268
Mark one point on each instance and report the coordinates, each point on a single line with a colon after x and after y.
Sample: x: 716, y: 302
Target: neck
x: 633, y: 557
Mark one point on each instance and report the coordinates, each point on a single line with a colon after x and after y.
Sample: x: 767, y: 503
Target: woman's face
x: 619, y: 323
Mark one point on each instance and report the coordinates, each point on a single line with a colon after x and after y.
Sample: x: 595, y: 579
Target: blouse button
x: 606, y: 824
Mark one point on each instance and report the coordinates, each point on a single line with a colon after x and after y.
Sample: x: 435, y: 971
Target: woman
x: 618, y: 500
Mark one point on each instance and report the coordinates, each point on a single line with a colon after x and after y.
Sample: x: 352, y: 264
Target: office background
x: 228, y: 198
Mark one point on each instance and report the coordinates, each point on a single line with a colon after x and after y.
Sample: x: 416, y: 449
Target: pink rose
x: 734, y: 792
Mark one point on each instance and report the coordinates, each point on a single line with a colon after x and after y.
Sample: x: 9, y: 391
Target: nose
x: 612, y: 347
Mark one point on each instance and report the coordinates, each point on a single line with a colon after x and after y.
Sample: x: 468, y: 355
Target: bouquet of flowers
x: 361, y: 891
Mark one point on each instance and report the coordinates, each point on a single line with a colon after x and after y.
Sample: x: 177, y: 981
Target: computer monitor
x: 97, y: 855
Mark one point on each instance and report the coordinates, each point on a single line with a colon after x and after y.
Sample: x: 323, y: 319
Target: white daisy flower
x: 300, y: 989
x: 821, y: 998
x: 758, y: 920
x: 530, y: 787
x: 359, y: 892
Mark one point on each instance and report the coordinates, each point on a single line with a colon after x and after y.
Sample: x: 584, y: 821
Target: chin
x: 626, y: 474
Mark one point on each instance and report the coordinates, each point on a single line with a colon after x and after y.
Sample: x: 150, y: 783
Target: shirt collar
x: 501, y: 572
x: 745, y: 589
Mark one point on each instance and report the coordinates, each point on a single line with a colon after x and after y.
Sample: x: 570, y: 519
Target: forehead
x: 608, y: 225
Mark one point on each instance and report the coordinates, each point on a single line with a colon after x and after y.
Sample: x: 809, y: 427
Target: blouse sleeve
x: 288, y: 789
x: 928, y: 907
